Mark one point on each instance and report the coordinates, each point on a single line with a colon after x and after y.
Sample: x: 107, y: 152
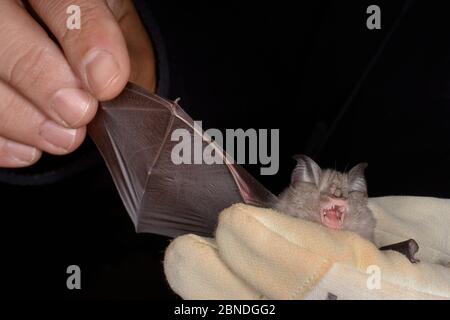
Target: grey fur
x: 310, y: 185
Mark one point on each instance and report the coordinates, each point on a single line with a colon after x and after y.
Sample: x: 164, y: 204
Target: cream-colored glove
x: 262, y: 254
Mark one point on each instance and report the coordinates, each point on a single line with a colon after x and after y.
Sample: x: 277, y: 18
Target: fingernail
x: 58, y: 136
x: 71, y: 105
x: 20, y: 152
x: 101, y: 69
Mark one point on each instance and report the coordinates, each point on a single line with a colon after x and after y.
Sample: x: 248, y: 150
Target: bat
x: 334, y: 199
x: 328, y: 197
x: 133, y: 133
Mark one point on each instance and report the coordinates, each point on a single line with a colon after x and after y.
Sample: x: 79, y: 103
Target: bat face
x: 334, y: 199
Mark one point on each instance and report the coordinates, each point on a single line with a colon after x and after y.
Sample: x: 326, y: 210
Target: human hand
x: 50, y: 88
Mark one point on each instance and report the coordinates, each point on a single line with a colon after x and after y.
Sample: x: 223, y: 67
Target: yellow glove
x: 261, y: 254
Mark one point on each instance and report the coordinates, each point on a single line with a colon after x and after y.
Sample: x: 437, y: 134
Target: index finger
x: 96, y: 50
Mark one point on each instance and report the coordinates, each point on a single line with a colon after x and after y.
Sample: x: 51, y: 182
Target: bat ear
x: 357, y: 181
x: 306, y: 170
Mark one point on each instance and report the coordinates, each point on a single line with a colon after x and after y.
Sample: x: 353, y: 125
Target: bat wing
x: 133, y: 133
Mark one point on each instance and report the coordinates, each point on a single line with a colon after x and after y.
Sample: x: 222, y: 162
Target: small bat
x: 133, y: 133
x: 336, y: 200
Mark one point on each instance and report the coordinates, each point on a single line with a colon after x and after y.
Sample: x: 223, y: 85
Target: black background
x: 272, y: 65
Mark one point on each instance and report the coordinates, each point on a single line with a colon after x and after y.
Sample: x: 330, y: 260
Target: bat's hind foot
x: 408, y: 248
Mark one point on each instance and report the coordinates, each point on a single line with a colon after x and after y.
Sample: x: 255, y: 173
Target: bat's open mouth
x: 332, y: 213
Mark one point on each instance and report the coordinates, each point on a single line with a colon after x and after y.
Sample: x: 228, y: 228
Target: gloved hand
x: 261, y: 254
